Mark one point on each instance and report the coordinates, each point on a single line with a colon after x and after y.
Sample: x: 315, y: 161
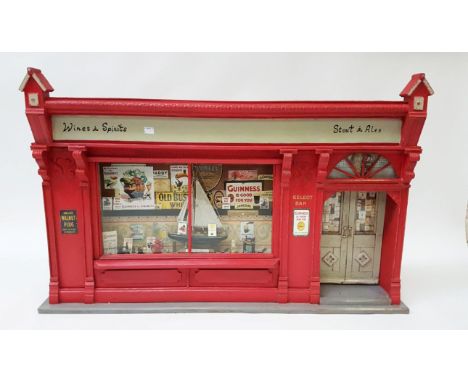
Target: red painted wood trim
x: 39, y: 153
x: 187, y: 262
x: 225, y: 109
x: 119, y: 159
x: 95, y: 146
x: 284, y: 196
x: 276, y: 218
x: 193, y: 294
x: 395, y: 280
x: 316, y: 224
x: 189, y: 206
x: 81, y: 172
x: 183, y: 255
x: 96, y: 209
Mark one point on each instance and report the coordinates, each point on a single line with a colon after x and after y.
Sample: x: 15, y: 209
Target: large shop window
x: 152, y: 208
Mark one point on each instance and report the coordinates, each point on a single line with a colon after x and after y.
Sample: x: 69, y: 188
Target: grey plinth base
x: 335, y: 299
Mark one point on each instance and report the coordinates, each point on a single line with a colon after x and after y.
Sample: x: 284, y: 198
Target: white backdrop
x: 435, y: 259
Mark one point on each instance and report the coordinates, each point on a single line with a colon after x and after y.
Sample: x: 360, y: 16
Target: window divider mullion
x: 189, y: 219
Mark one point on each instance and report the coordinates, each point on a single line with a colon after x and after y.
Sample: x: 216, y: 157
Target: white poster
x: 136, y: 188
x: 161, y: 174
x: 244, y: 195
x: 109, y: 242
x: 179, y: 178
x: 301, y: 222
x: 226, y: 203
x: 111, y: 177
x: 247, y: 230
x: 212, y: 230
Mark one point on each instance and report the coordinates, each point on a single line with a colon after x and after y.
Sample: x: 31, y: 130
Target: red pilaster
x: 39, y: 153
x: 284, y: 224
x: 81, y: 172
x: 322, y: 172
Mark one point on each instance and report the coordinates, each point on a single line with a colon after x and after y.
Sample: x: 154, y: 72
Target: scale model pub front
x: 209, y: 201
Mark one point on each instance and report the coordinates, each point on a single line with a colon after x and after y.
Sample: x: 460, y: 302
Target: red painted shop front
x: 156, y: 200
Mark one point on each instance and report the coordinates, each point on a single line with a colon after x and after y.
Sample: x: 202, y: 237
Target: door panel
x: 333, y: 246
x: 352, y: 255
x: 333, y: 261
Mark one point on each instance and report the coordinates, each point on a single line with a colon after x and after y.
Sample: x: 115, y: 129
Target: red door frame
x: 403, y: 162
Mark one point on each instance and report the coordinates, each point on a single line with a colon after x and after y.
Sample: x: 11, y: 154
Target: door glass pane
x: 366, y: 210
x: 142, y: 208
x: 332, y: 212
x: 232, y: 208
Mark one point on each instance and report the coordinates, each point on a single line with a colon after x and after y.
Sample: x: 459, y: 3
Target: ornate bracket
x: 395, y: 195
x: 410, y: 164
x: 322, y: 166
x: 286, y: 167
x: 81, y: 171
x: 39, y: 153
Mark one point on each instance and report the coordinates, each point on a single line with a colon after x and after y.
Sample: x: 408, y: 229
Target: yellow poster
x: 170, y: 200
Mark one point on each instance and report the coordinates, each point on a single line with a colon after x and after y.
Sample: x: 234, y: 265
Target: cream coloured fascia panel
x: 217, y: 130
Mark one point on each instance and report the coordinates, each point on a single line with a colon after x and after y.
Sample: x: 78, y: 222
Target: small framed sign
x: 68, y: 221
x: 212, y: 230
x: 301, y: 222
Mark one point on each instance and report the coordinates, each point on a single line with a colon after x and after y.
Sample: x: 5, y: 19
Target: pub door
x: 352, y: 227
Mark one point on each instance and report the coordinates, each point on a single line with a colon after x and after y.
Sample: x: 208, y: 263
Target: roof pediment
x: 417, y: 80
x: 40, y: 79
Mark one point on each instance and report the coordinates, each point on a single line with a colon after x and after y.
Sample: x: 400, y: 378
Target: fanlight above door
x: 363, y: 165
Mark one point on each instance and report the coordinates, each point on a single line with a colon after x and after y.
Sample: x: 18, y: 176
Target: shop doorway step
x: 340, y: 294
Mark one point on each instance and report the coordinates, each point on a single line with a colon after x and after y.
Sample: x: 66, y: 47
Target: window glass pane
x: 364, y: 165
x: 366, y: 206
x: 232, y: 208
x: 344, y: 166
x: 331, y: 216
x: 379, y: 164
x: 369, y: 161
x: 334, y: 174
x: 387, y: 172
x: 141, y: 206
x: 356, y: 160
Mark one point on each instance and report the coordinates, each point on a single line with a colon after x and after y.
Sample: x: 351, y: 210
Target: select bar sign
x: 68, y: 221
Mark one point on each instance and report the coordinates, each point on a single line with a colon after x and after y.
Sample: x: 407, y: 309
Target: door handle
x: 347, y: 231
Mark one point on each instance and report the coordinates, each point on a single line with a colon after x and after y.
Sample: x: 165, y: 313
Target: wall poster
x: 244, y: 195
x: 68, y: 221
x: 135, y: 188
x: 301, y: 222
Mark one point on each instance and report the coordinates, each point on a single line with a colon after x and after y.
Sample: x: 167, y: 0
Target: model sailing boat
x: 204, y: 214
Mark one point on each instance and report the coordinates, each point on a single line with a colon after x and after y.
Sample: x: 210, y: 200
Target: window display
x: 238, y: 201
x: 366, y: 206
x: 140, y: 204
x: 146, y: 208
x: 331, y: 217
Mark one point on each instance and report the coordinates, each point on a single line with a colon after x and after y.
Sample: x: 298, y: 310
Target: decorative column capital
x: 39, y: 153
x: 286, y: 166
x: 412, y: 157
x: 322, y: 166
x: 81, y: 162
